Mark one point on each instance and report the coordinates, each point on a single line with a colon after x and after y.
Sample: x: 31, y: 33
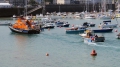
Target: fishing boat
x: 92, y: 37
x: 24, y: 26
x: 107, y: 24
x: 75, y: 30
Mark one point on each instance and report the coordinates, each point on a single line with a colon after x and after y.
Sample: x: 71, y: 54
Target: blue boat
x: 102, y: 30
x: 75, y: 30
x: 62, y: 24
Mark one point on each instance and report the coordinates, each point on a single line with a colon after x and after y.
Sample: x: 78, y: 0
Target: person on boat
x: 92, y: 38
x: 73, y: 28
x: 28, y: 23
x: 100, y: 26
x: 22, y: 18
x: 96, y: 36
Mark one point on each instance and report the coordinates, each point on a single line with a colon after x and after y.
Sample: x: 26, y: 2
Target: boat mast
x: 105, y: 6
x: 86, y: 5
x: 59, y: 7
x: 93, y: 5
x: 43, y: 5
x: 25, y: 7
x: 118, y: 6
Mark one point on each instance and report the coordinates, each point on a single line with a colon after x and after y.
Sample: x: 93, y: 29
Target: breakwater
x: 9, y: 12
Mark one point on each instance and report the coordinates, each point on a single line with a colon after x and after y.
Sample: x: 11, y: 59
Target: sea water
x: 65, y: 50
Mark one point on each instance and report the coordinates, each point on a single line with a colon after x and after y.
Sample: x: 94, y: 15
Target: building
x: 92, y: 1
x: 20, y: 3
x: 5, y: 5
x: 61, y: 1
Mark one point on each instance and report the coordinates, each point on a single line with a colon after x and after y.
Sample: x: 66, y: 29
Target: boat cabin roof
x: 107, y: 21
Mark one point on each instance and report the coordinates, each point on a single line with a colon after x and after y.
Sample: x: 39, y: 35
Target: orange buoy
x: 93, y: 53
x: 47, y: 54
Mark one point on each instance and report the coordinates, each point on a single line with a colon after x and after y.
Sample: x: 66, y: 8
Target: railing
x: 34, y: 9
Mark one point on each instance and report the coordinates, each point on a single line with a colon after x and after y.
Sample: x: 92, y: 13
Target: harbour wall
x: 9, y: 12
x: 77, y: 8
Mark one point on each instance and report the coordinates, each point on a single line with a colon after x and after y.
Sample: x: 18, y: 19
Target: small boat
x: 76, y: 30
x: 105, y: 17
x: 48, y: 25
x: 107, y: 24
x: 89, y: 36
x: 104, y: 30
x: 24, y: 27
x: 86, y: 24
x: 98, y: 39
x: 90, y: 16
x: 62, y: 24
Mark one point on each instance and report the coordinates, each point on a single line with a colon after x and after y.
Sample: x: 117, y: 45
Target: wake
x: 94, y: 44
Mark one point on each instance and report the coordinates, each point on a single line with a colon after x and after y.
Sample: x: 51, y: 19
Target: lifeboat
x: 24, y: 26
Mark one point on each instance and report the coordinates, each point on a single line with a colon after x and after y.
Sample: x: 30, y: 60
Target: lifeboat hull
x: 24, y: 31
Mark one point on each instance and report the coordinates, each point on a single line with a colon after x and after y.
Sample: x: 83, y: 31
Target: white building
x: 61, y: 1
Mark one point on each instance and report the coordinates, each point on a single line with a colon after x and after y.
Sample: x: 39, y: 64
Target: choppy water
x: 65, y: 50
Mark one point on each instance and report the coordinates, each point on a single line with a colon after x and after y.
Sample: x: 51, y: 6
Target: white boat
x: 58, y: 14
x: 48, y: 25
x: 14, y: 16
x: 89, y: 17
x: 105, y: 17
x: 77, y: 15
x: 107, y: 24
